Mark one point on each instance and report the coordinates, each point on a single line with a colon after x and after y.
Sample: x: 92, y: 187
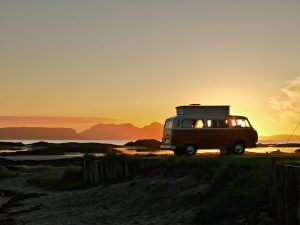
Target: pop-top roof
x: 203, y: 111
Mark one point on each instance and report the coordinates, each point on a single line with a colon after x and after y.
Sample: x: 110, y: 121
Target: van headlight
x: 167, y: 141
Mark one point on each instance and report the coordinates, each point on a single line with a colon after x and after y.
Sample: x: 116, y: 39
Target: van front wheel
x: 238, y: 148
x: 190, y: 150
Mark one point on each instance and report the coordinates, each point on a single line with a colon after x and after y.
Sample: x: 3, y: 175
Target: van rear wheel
x: 190, y: 150
x: 238, y: 148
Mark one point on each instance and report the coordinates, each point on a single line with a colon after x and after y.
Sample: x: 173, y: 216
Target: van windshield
x: 240, y: 123
x: 168, y: 124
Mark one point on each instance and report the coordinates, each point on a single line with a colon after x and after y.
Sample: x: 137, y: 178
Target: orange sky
x: 135, y: 61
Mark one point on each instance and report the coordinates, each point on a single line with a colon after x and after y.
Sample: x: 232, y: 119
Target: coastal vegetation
x: 231, y: 189
x: 208, y: 188
x: 57, y: 178
x: 45, y: 148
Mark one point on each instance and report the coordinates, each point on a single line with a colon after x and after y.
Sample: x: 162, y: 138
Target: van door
x: 217, y: 133
x: 191, y: 131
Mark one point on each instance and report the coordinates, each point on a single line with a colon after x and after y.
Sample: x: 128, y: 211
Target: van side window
x: 199, y: 124
x: 212, y: 123
x: 187, y: 124
x: 217, y: 123
x: 223, y: 123
x: 192, y: 124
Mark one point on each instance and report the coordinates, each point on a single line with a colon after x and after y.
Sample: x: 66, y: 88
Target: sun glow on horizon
x: 117, y: 60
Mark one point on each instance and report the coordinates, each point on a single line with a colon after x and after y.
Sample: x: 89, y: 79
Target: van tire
x: 178, y: 151
x: 190, y: 150
x: 239, y: 148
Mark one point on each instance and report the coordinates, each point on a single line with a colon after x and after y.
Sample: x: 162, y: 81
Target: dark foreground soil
x: 154, y: 200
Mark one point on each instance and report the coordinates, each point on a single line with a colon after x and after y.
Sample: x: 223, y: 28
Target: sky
x: 135, y: 61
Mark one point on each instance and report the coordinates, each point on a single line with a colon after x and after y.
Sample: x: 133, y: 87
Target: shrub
x: 237, y: 188
x: 68, y: 178
x: 72, y: 174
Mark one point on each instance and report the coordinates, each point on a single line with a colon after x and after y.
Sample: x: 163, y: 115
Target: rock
x: 297, y: 151
x: 148, y: 143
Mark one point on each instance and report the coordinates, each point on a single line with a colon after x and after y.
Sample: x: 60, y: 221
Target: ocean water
x: 277, y: 141
x: 157, y: 152
x: 115, y: 142
x: 122, y: 142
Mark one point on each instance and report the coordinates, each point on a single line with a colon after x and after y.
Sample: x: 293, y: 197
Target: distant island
x: 39, y: 133
x: 101, y: 131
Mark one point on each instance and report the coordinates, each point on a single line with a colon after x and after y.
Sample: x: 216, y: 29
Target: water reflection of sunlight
x: 128, y: 151
x: 14, y: 150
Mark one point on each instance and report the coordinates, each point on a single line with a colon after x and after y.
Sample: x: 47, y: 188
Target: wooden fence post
x: 99, y: 171
x: 284, y: 197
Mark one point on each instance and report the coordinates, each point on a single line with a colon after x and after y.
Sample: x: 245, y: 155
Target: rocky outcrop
x: 147, y: 143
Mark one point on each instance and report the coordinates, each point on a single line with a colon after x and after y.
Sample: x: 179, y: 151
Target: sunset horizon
x: 82, y: 123
x: 136, y: 61
x: 149, y: 112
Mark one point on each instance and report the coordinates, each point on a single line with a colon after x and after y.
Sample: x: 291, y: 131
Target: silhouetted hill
x: 125, y: 131
x: 279, y: 137
x: 40, y: 133
x: 148, y: 143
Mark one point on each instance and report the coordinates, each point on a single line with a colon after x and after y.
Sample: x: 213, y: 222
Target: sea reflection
x: 130, y: 151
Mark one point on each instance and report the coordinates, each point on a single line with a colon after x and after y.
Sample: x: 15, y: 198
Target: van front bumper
x: 167, y: 147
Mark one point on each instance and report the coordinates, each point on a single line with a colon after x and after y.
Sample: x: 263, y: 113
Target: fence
x: 284, y: 185
x: 104, y: 171
x: 285, y: 193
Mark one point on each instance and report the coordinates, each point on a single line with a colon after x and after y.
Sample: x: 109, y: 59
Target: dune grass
x: 238, y: 185
x: 58, y: 178
x: 237, y: 190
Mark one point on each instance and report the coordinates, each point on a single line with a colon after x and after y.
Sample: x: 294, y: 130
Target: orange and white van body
x: 207, y: 127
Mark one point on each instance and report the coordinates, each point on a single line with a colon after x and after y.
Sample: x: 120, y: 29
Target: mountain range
x: 38, y: 133
x: 100, y: 131
x: 125, y: 131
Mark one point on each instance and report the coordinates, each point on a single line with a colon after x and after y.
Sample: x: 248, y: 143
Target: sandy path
x: 155, y: 200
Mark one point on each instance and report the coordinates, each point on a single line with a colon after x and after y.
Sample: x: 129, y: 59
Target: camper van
x: 207, y: 127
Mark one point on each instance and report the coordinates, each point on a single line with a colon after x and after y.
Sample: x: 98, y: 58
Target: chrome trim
x: 168, y: 147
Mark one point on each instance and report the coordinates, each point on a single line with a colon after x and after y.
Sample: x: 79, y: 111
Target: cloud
x: 287, y: 102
